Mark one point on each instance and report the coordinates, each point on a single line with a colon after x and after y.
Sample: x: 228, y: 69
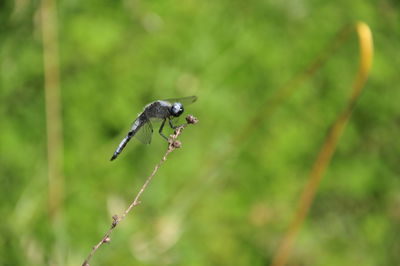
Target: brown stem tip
x: 176, y: 144
x: 190, y: 119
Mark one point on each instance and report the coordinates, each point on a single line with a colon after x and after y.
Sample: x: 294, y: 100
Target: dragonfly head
x: 176, y: 109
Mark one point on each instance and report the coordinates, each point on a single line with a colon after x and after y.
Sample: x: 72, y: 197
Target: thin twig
x: 173, y: 144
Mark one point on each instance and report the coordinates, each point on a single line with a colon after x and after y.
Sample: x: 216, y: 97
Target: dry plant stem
x: 53, y: 105
x: 328, y: 148
x: 173, y: 144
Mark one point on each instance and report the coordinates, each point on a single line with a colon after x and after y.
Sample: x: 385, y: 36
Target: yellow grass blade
x: 329, y: 146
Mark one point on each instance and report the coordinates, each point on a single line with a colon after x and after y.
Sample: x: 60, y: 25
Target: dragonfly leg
x: 172, y: 125
x: 161, y: 128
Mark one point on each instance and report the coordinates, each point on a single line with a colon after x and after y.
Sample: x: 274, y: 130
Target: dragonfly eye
x: 177, y: 109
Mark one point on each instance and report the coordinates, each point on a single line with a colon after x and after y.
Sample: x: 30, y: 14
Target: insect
x: 142, y: 127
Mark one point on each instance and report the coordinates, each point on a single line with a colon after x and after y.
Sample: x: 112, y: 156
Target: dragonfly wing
x: 145, y: 132
x: 185, y: 100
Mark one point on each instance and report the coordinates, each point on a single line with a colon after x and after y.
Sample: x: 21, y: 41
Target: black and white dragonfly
x: 162, y: 110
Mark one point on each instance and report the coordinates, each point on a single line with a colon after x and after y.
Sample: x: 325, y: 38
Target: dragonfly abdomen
x: 135, y: 128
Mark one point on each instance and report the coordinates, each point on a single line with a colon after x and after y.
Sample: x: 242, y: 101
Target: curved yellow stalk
x: 329, y: 146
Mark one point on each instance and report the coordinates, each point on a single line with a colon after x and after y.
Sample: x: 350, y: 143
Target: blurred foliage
x: 116, y: 56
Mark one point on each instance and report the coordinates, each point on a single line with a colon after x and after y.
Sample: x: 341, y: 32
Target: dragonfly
x: 142, y: 128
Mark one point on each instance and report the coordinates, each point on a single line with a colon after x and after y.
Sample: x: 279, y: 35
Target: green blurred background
x: 210, y: 203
